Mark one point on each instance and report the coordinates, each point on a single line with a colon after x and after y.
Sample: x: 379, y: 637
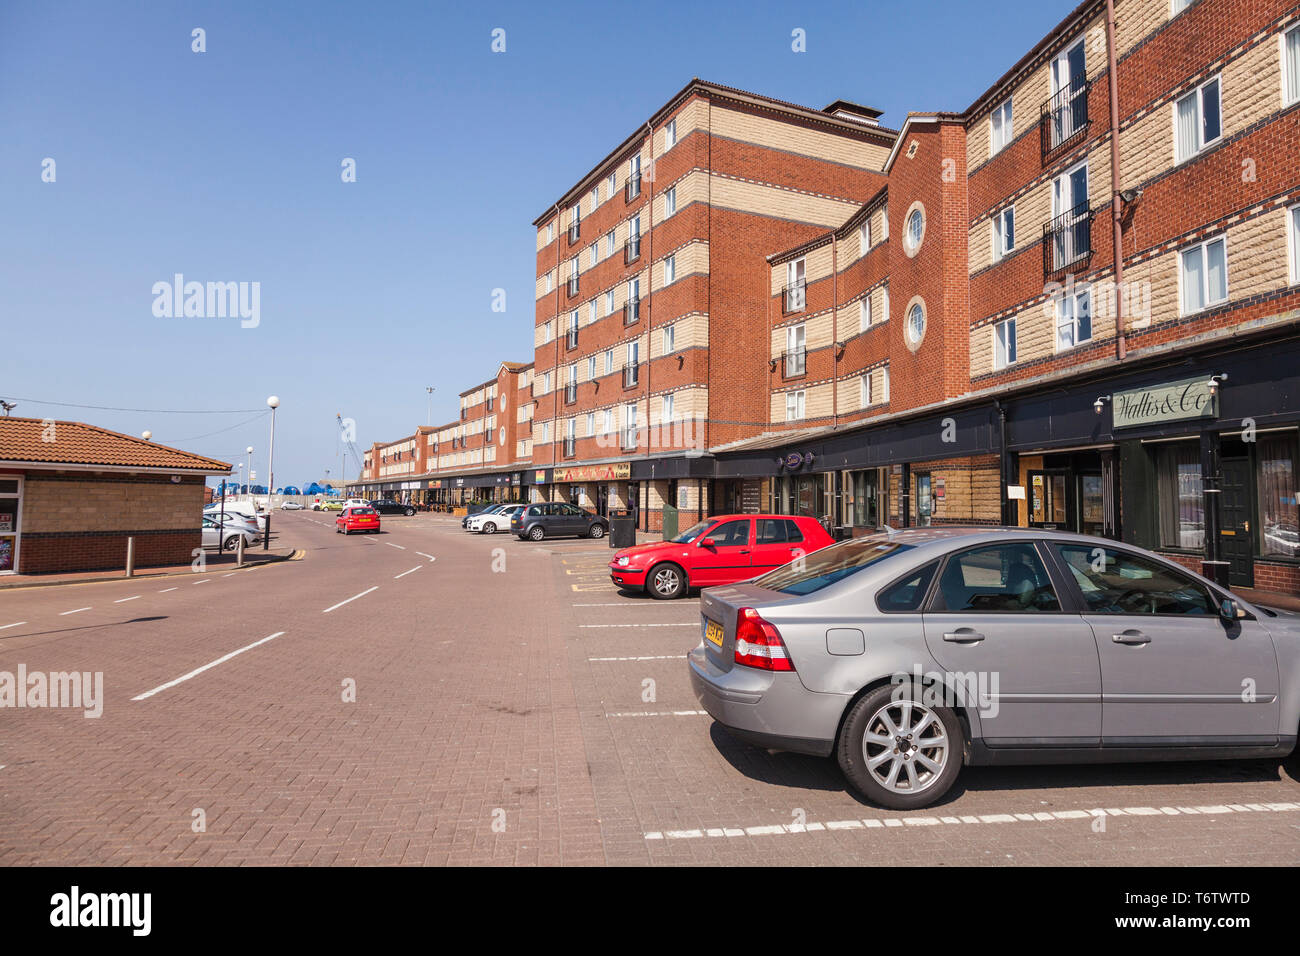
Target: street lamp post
x: 274, y: 403
x: 249, y: 449
x: 428, y: 416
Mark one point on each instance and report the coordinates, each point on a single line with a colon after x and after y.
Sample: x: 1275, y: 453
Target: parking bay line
x: 165, y: 590
x: 14, y: 624
x: 124, y: 600
x: 405, y: 573
x: 73, y: 611
x: 199, y: 670
x: 660, y: 713
x: 351, y: 599
x: 391, y: 545
x: 429, y: 556
x: 871, y: 823
x: 652, y: 657
x: 686, y: 624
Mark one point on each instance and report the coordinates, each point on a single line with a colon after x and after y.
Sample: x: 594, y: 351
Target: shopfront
x: 599, y: 488
x: 11, y: 510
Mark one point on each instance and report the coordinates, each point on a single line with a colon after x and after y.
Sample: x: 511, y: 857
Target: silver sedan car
x: 908, y: 654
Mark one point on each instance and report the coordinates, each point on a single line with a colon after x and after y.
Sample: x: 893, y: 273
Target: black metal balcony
x: 631, y: 250
x: 632, y: 312
x: 1067, y: 240
x: 632, y: 189
x: 631, y: 375
x: 794, y: 298
x: 794, y: 363
x: 1064, y: 117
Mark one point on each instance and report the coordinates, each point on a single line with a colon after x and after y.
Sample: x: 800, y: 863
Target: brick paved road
x: 523, y: 715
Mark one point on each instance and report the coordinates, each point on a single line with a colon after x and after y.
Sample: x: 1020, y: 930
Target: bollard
x: 130, y: 557
x: 239, y: 552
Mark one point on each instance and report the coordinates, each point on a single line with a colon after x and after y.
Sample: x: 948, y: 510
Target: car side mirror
x: 1229, y: 609
x: 708, y: 543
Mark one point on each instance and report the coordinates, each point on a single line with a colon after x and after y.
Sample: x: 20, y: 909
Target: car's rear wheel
x: 409, y: 512
x: 597, y: 531
x: 536, y: 533
x: 231, y: 543
x: 666, y: 582
x: 898, y: 751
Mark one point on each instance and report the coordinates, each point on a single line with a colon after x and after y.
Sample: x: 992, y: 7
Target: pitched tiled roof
x: 77, y: 445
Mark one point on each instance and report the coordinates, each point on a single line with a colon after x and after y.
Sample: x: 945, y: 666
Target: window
x: 778, y: 531
x: 670, y: 270
x: 915, y: 230
x: 1203, y: 275
x: 884, y: 222
x: 670, y: 134
x: 591, y: 367
x: 864, y: 312
x: 1068, y: 107
x: 1071, y: 226
x: 884, y: 383
x: 1001, y: 578
x: 1004, y: 343
x: 591, y: 311
x: 1291, y: 65
x: 549, y: 279
x: 1116, y: 582
x: 634, y: 291
x: 591, y: 424
x: 794, y: 406
x: 595, y: 253
x: 550, y: 232
x: 546, y: 432
x: 864, y: 234
x: 609, y: 243
x: 823, y: 568
x: 1178, y: 6
x: 607, y: 421
x: 1004, y: 232
x: 1000, y: 127
x: 1180, y: 506
x: 609, y: 361
x: 629, y: 426
x: 864, y: 383
x: 795, y: 351
x: 595, y: 197
x: 884, y: 300
x: 633, y: 352
x: 611, y: 186
x: 907, y: 594
x: 1293, y: 234
x: 546, y: 382
x: 1279, y: 523
x: 795, y: 274
x: 1073, y: 319
x: 1196, y: 120
x: 915, y: 328
x: 546, y: 333
x: 670, y: 338
x: 668, y: 408
x: 609, y: 302
x: 670, y: 201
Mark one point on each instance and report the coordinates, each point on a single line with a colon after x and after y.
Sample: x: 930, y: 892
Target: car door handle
x: 1131, y: 636
x: 963, y: 635
x: 743, y: 551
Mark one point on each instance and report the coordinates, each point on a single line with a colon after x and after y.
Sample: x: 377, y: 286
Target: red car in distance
x: 357, y: 519
x: 721, y: 550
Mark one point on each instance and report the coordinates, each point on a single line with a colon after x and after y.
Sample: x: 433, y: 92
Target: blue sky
x: 225, y: 166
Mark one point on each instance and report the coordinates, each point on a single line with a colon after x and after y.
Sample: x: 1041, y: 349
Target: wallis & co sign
x: 1168, y: 402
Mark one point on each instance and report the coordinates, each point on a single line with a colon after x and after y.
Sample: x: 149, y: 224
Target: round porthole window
x: 914, y: 229
x: 914, y: 324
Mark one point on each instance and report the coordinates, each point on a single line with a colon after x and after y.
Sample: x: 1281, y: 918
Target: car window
x: 691, y: 533
x: 363, y: 511
x: 829, y: 565
x: 571, y: 509
x: 1000, y: 577
x: 731, y: 534
x: 1118, y: 582
x: 534, y: 511
x: 907, y: 593
x: 792, y: 532
x: 771, y: 531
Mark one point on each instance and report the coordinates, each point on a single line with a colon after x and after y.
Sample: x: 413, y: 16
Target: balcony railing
x: 570, y: 447
x: 793, y: 298
x: 631, y: 250
x: 1067, y: 240
x: 794, y: 363
x: 632, y: 312
x: 571, y: 393
x: 632, y: 189
x: 631, y: 375
x: 575, y: 231
x: 570, y: 342
x: 1063, y: 117
x: 573, y: 286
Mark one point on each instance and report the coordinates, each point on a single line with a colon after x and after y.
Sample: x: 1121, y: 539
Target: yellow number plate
x: 713, y: 632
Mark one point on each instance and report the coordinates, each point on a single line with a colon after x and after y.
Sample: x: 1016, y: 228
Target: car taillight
x: 759, y: 644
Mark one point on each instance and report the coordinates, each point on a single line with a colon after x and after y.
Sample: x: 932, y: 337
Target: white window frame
x: 595, y: 253
x: 1293, y: 241
x: 865, y: 383
x: 546, y: 332
x: 1178, y: 6
x: 670, y: 134
x: 797, y: 399
x: 1001, y: 133
x: 591, y: 367
x: 1206, y: 302
x: 864, y: 313
x: 1074, y: 321
x: 550, y: 231
x: 864, y: 235
x: 1289, y: 77
x: 668, y: 409
x: 609, y: 301
x: 546, y: 383
x: 1199, y: 93
x: 670, y: 269
x: 591, y: 424
x: 670, y: 338
x: 633, y: 352
x: 1006, y: 346
x: 611, y: 184
x: 593, y: 312
x: 549, y: 279
x: 884, y: 384
x: 607, y: 422
x: 913, y: 242
x: 609, y: 361
x: 630, y: 426
x: 1000, y: 247
x: 884, y: 222
x: 884, y: 309
x: 670, y: 201
x: 610, y: 243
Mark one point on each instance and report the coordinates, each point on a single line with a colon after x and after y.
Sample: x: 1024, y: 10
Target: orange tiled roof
x: 76, y: 444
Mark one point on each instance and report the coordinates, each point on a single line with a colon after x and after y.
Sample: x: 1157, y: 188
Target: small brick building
x: 71, y: 494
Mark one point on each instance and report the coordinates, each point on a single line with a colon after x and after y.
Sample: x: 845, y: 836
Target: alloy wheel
x: 905, y: 747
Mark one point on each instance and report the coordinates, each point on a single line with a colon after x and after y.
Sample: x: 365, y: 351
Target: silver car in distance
x: 908, y: 654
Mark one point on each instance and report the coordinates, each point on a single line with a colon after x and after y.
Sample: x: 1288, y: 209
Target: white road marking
x: 666, y: 607
x: 405, y: 573
x: 124, y: 600
x: 14, y: 624
x: 228, y: 574
x: 429, y: 556
x: 165, y: 590
x: 657, y: 657
x: 351, y: 599
x: 687, y: 624
x: 204, y: 581
x: 73, y: 611
x: 1040, y: 817
x: 391, y: 545
x: 660, y: 713
x: 199, y: 670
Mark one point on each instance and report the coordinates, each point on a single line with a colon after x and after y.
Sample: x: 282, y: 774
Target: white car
x: 291, y: 506
x: 228, y: 535
x: 492, y: 521
x: 356, y: 503
x: 238, y: 508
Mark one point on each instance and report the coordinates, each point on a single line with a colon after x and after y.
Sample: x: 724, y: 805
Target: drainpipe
x: 649, y: 287
x: 555, y: 404
x: 835, y: 334
x: 1116, y: 204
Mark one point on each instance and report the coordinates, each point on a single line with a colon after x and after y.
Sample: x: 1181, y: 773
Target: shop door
x: 602, y: 500
x: 10, y: 523
x: 924, y: 500
x: 807, y: 497
x: 1047, y: 504
x: 670, y: 511
x: 1235, y: 538
x: 1092, y: 508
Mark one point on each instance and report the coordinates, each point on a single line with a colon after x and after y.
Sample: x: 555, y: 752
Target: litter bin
x: 622, y: 528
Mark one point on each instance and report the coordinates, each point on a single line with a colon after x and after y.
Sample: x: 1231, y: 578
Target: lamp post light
x: 428, y: 415
x: 249, y: 450
x: 273, y: 402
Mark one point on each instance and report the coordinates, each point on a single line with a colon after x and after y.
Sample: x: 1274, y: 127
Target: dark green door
x: 1235, y: 531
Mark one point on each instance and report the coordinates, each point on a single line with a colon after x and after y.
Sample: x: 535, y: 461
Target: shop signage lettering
x: 621, y: 471
x: 1169, y: 402
x: 796, y: 460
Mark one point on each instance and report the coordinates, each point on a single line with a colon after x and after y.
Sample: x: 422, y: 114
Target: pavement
x: 429, y: 697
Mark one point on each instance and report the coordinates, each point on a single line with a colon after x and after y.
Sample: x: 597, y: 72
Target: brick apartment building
x: 1074, y: 304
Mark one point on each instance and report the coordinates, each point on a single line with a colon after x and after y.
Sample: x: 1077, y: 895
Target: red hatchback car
x: 357, y: 519
x: 720, y: 550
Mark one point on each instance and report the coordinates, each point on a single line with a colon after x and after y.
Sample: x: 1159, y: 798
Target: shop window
x: 1279, y: 524
x: 1180, y: 505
